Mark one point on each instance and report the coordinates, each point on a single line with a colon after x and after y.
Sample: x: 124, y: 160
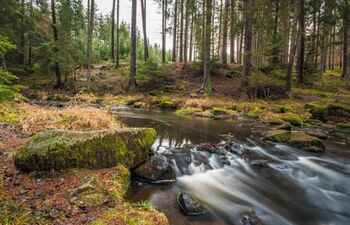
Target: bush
x: 8, y: 90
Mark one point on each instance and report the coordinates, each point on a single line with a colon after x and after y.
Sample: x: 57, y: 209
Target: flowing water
x: 298, y: 188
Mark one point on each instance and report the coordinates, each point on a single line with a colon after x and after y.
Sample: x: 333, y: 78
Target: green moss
x: 10, y: 113
x: 187, y: 111
x: 278, y: 136
x: 339, y: 110
x: 219, y: 111
x: 292, y: 119
x: 343, y: 125
x: 307, y: 142
x: 139, y: 104
x: 96, y: 149
x: 318, y: 111
x: 251, y: 109
x: 166, y: 103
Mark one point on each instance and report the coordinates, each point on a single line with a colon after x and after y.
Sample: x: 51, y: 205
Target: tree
x: 206, y: 85
x: 301, y: 57
x: 144, y: 26
x: 232, y: 32
x: 173, y: 58
x: 132, y: 81
x: 59, y: 83
x: 113, y: 33
x: 293, y: 48
x: 164, y: 15
x: 346, y: 13
x: 118, y: 37
x: 90, y: 37
x: 248, y: 26
x: 224, y: 34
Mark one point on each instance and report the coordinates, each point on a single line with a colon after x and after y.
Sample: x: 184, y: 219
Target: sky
x: 154, y: 18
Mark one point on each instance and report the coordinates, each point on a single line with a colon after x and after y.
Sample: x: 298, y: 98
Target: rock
x: 260, y: 163
x: 317, y: 133
x: 157, y: 170
x: 307, y: 142
x: 252, y: 219
x: 190, y: 205
x: 284, y: 126
x: 318, y: 111
x: 292, y: 118
x: 234, y: 148
x: 59, y: 149
x: 89, y: 194
x: 343, y: 127
x: 299, y: 140
x: 205, y: 147
x: 278, y: 135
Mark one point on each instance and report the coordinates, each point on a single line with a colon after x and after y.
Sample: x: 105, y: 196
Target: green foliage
x: 144, y: 204
x: 5, y: 45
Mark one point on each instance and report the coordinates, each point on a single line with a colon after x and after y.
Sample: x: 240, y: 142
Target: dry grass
x: 77, y: 117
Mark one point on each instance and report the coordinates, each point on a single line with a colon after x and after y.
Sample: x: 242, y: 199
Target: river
x: 298, y: 188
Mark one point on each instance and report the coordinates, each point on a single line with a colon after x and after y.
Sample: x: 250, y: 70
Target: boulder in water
x: 252, y: 219
x: 157, y: 170
x: 190, y: 205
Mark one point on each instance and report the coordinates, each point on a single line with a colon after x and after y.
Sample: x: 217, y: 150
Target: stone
x: 157, y: 170
x: 60, y: 149
x: 252, y: 219
x: 190, y: 205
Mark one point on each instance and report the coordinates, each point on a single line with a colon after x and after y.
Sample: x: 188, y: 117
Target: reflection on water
x: 298, y: 188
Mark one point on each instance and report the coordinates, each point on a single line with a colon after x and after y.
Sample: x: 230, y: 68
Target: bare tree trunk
x: 144, y: 26
x: 117, y: 41
x: 175, y: 32
x: 90, y: 38
x: 132, y: 81
x: 59, y: 83
x: 293, y: 49
x: 206, y: 85
x: 30, y: 37
x: 186, y: 30
x: 113, y: 33
x: 346, y: 13
x: 224, y: 34
x: 232, y: 32
x: 181, y: 30
x: 301, y: 57
x: 248, y: 30
x: 241, y: 46
x: 220, y: 30
x: 191, y: 35
x: 164, y: 10
x: 22, y: 41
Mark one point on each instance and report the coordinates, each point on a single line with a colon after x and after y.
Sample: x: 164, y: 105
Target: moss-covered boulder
x: 278, y: 135
x: 292, y: 118
x: 60, y: 149
x: 344, y: 127
x: 318, y: 111
x: 298, y: 140
x: 339, y: 110
x: 307, y: 142
x: 190, y: 205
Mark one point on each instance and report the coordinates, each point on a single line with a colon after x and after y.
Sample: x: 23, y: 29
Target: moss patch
x: 292, y: 118
x: 318, y: 111
x: 187, y: 111
x: 60, y: 149
x: 133, y: 215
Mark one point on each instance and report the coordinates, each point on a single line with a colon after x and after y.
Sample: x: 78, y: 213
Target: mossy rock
x: 339, y: 110
x: 187, y: 111
x: 298, y: 140
x: 318, y: 111
x: 166, y: 103
x: 190, y: 205
x: 292, y: 118
x: 307, y: 142
x: 60, y: 149
x: 139, y: 104
x: 219, y: 111
x: 278, y: 136
x: 345, y: 127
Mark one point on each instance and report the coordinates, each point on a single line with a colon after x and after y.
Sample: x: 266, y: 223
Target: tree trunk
x: 175, y: 32
x: 144, y: 28
x: 59, y: 83
x: 191, y: 34
x: 232, y: 32
x: 187, y: 17
x: 248, y: 27
x: 181, y: 29
x: 30, y: 37
x: 113, y: 32
x: 301, y: 56
x: 22, y: 41
x: 132, y: 81
x: 90, y: 39
x: 206, y: 85
x: 117, y: 41
x: 346, y: 13
x: 220, y: 30
x: 164, y: 10
x: 224, y: 34
x: 293, y: 49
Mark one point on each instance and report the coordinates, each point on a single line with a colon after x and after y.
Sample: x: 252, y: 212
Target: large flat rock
x: 61, y: 149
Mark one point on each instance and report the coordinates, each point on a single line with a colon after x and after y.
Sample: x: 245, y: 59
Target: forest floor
x: 38, y: 198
